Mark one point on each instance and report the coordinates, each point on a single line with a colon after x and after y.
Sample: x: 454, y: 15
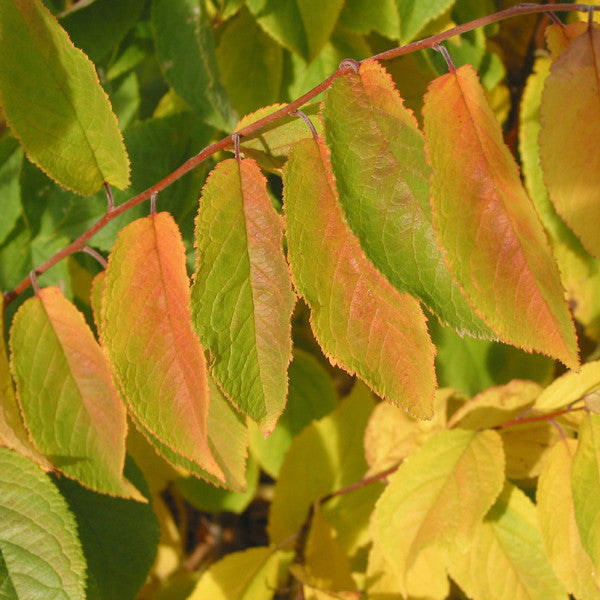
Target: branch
x: 288, y: 110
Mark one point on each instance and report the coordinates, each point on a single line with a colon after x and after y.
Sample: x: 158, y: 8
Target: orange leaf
x: 559, y: 36
x: 362, y: 322
x: 147, y: 331
x: 494, y: 242
x: 570, y: 137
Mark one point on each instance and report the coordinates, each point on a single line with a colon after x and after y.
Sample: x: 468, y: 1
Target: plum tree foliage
x: 339, y: 260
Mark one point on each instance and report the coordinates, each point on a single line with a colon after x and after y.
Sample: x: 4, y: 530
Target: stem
x: 345, y: 67
x: 360, y: 484
x: 538, y: 418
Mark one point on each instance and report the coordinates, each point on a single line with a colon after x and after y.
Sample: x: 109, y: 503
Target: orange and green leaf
x: 147, y: 332
x: 494, y: 242
x: 362, y: 322
x: 378, y: 158
x: 242, y: 299
x: 570, y: 137
x: 67, y: 396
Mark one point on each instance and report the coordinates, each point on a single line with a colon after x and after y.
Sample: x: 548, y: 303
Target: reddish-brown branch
x: 538, y: 418
x: 360, y: 484
x: 227, y: 142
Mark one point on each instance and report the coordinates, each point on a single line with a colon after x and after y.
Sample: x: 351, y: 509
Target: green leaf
x: 362, y: 323
x: 384, y: 191
x: 359, y: 16
x: 97, y: 27
x: 506, y: 560
x: 66, y: 392
x: 206, y: 497
x: 326, y: 456
x: 242, y: 299
x: 186, y: 50
x: 439, y: 494
x: 416, y: 14
x: 119, y: 537
x: 11, y: 158
x: 311, y: 395
x: 585, y: 483
x: 251, y: 64
x: 249, y: 575
x: 302, y: 26
x: 558, y: 526
x: 45, y: 79
x: 40, y: 553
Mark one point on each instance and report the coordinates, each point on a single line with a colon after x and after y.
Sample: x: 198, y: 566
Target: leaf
x: 326, y: 566
x: 186, y: 51
x: 507, y: 548
x: 362, y: 323
x: 80, y: 144
x: 242, y: 299
x: 206, y: 497
x: 585, y: 483
x: 11, y: 159
x: 568, y: 132
x: 147, y: 332
x: 326, y: 456
x: 40, y: 553
x: 558, y: 526
x: 66, y: 393
x: 359, y: 16
x: 119, y: 537
x: 558, y: 36
x: 392, y: 435
x: 270, y: 147
x: 311, y: 396
x: 569, y: 388
x: 384, y: 191
x: 250, y: 62
x: 416, y: 14
x: 302, y: 26
x: 494, y: 242
x: 13, y: 434
x: 439, y: 495
x: 249, y: 575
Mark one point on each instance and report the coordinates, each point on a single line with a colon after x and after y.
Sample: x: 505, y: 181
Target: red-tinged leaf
x: 362, y: 322
x: 148, y: 334
x: 378, y: 159
x: 66, y: 392
x: 242, y: 299
x: 570, y: 137
x: 559, y: 36
x: 494, y: 242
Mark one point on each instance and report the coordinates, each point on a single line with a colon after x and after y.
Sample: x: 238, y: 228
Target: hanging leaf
x: 70, y: 405
x: 507, y: 548
x: 147, y: 332
x: 40, y: 552
x: 558, y: 527
x: 384, y: 191
x: 494, y: 242
x: 13, y: 434
x: 362, y: 323
x: 45, y: 80
x: 439, y: 495
x: 570, y: 133
x: 585, y: 483
x: 186, y: 49
x: 302, y: 26
x: 242, y: 300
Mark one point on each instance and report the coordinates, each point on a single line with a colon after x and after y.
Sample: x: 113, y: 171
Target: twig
x: 346, y: 66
